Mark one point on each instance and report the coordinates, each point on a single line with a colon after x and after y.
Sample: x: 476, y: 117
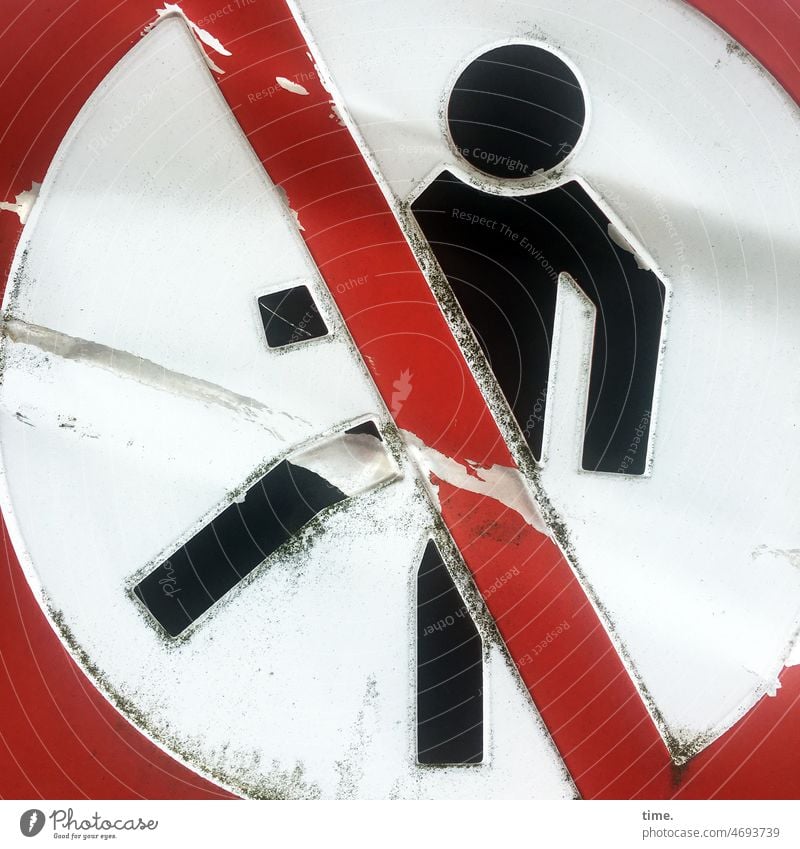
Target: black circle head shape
x: 516, y: 110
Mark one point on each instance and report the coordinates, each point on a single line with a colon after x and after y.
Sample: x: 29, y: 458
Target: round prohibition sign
x: 614, y: 742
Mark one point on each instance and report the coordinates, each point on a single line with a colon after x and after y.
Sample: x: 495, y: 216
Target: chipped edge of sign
x: 502, y: 483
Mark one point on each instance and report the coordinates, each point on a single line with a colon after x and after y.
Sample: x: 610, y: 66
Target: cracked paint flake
x: 293, y: 212
x: 336, y: 115
x: 288, y: 85
x: 23, y: 203
x: 502, y: 483
x: 201, y: 35
x: 352, y: 462
x: 621, y: 241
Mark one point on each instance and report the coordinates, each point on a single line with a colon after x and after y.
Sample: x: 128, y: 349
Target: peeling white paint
x: 617, y: 237
x: 319, y: 70
x: 296, y: 217
x: 24, y: 202
x: 146, y: 372
x: 336, y: 114
x: 293, y: 212
x: 201, y: 35
x: 502, y: 483
x: 352, y: 462
x: 288, y: 85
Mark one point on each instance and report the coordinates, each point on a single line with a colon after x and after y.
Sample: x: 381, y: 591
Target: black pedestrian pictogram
x: 515, y: 112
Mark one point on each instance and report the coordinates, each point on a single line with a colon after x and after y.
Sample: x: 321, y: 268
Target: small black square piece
x: 290, y: 316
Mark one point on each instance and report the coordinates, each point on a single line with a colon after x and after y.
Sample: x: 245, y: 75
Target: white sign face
x: 170, y: 345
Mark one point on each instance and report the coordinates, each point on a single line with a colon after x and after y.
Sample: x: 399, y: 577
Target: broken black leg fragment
x: 249, y: 530
x: 449, y: 670
x: 219, y: 555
